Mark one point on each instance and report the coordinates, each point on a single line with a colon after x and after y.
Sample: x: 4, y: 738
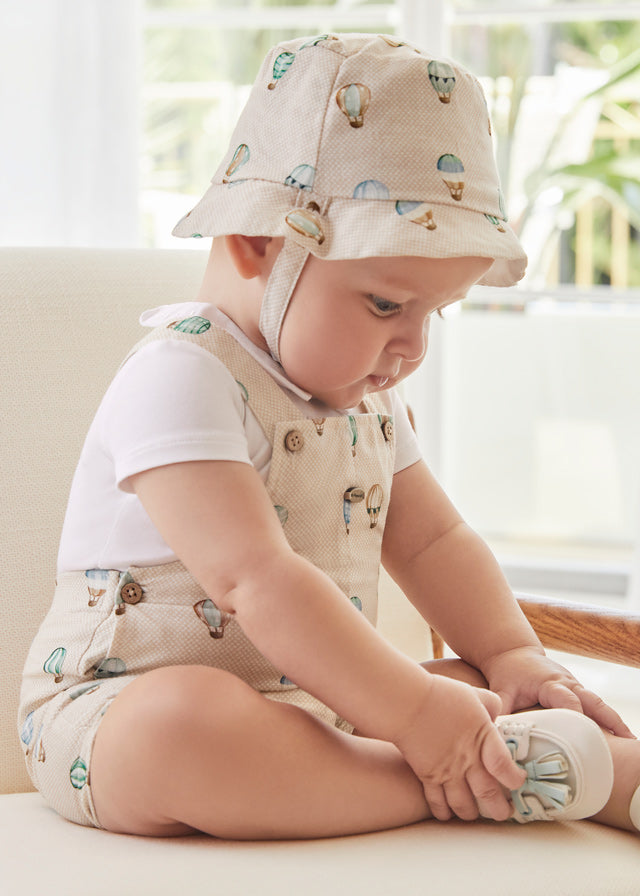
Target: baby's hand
x: 526, y: 677
x: 455, y: 750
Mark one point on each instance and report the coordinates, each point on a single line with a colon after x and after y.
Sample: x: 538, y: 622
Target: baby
x: 210, y: 660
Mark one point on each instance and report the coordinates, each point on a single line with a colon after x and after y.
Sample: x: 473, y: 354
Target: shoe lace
x: 544, y: 781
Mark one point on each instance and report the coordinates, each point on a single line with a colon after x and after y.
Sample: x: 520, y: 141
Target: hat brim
x: 346, y: 228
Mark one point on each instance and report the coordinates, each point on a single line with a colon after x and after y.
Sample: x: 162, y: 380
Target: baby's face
x: 355, y: 327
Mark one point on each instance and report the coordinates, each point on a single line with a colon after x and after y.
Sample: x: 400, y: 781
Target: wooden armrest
x: 585, y: 630
x: 579, y: 629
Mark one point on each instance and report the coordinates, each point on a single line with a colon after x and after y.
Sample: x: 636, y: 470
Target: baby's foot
x: 567, y: 760
x: 623, y: 807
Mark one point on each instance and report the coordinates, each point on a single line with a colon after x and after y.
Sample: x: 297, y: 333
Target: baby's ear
x: 251, y: 255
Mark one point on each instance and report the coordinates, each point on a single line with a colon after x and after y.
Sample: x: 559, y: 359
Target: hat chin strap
x: 278, y: 291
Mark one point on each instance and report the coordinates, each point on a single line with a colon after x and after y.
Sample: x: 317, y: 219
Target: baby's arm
x: 219, y: 520
x: 453, y: 579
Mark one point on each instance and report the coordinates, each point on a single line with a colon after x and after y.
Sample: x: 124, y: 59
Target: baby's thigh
x: 149, y: 731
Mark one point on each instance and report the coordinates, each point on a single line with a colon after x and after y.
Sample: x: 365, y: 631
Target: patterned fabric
x: 359, y: 145
x: 329, y: 482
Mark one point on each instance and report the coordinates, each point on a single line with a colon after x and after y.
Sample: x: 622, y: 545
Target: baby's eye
x: 384, y: 307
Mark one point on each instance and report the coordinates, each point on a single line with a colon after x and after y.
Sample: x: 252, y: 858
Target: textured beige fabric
x: 42, y: 853
x: 278, y: 292
x: 357, y: 146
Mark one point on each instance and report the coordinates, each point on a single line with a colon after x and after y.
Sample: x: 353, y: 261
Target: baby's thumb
x: 498, y: 761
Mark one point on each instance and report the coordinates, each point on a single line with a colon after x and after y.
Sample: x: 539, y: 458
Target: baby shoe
x: 567, y: 761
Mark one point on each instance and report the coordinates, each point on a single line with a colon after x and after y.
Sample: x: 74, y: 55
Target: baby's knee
x: 189, y: 701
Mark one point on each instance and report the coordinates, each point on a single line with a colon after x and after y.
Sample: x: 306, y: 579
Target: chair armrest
x: 578, y: 629
x: 585, y: 630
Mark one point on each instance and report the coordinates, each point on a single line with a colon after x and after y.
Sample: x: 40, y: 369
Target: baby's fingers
x: 489, y: 795
x: 602, y: 713
x: 497, y: 760
x: 437, y: 801
x: 579, y: 699
x: 461, y: 799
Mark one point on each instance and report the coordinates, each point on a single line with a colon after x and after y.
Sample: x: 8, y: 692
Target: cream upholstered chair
x: 68, y: 316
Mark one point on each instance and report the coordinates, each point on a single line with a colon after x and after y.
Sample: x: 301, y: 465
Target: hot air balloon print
x: 496, y: 222
x: 307, y: 223
x: 443, y: 79
x: 353, y: 100
x: 451, y: 165
x: 375, y: 497
x: 243, y: 390
x: 83, y: 689
x: 26, y: 734
x: 353, y: 495
x: 97, y: 580
x: 319, y: 423
x: 357, y: 603
x: 393, y: 42
x: 215, y: 619
x: 53, y: 664
x: 503, y: 207
x: 371, y: 189
x: 301, y: 177
x: 78, y: 774
x: 318, y: 40
x: 240, y: 157
x: 407, y: 207
x: 38, y: 748
x: 283, y: 513
x: 194, y: 325
x: 353, y: 426
x: 281, y: 66
x: 110, y: 667
x: 286, y: 682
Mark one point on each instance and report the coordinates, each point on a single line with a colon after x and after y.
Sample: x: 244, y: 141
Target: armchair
x: 67, y: 318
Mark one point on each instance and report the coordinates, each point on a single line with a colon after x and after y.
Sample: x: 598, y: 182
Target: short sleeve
x: 172, y: 402
x: 407, y: 448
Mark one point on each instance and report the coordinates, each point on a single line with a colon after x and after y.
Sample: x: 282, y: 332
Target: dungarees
x: 329, y: 483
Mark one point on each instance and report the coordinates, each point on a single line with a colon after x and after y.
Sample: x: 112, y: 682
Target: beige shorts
x: 105, y: 629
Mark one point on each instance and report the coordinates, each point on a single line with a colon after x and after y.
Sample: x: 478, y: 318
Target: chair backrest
x: 67, y: 318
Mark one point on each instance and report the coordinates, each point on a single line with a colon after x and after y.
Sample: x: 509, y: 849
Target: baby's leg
x: 624, y: 751
x: 626, y: 780
x: 192, y: 747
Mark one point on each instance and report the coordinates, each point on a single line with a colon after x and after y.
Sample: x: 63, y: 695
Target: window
x: 539, y: 418
x: 200, y: 60
x: 121, y: 112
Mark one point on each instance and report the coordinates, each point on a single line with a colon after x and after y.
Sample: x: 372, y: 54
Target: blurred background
x: 115, y: 114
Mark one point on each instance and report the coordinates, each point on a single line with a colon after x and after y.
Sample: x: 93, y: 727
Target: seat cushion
x: 42, y: 853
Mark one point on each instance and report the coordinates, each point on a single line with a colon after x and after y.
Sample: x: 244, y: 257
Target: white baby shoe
x: 567, y: 760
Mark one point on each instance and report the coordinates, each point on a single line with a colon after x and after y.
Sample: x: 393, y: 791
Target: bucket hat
x: 360, y: 145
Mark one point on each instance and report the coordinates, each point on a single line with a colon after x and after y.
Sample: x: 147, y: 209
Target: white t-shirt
x: 171, y: 402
